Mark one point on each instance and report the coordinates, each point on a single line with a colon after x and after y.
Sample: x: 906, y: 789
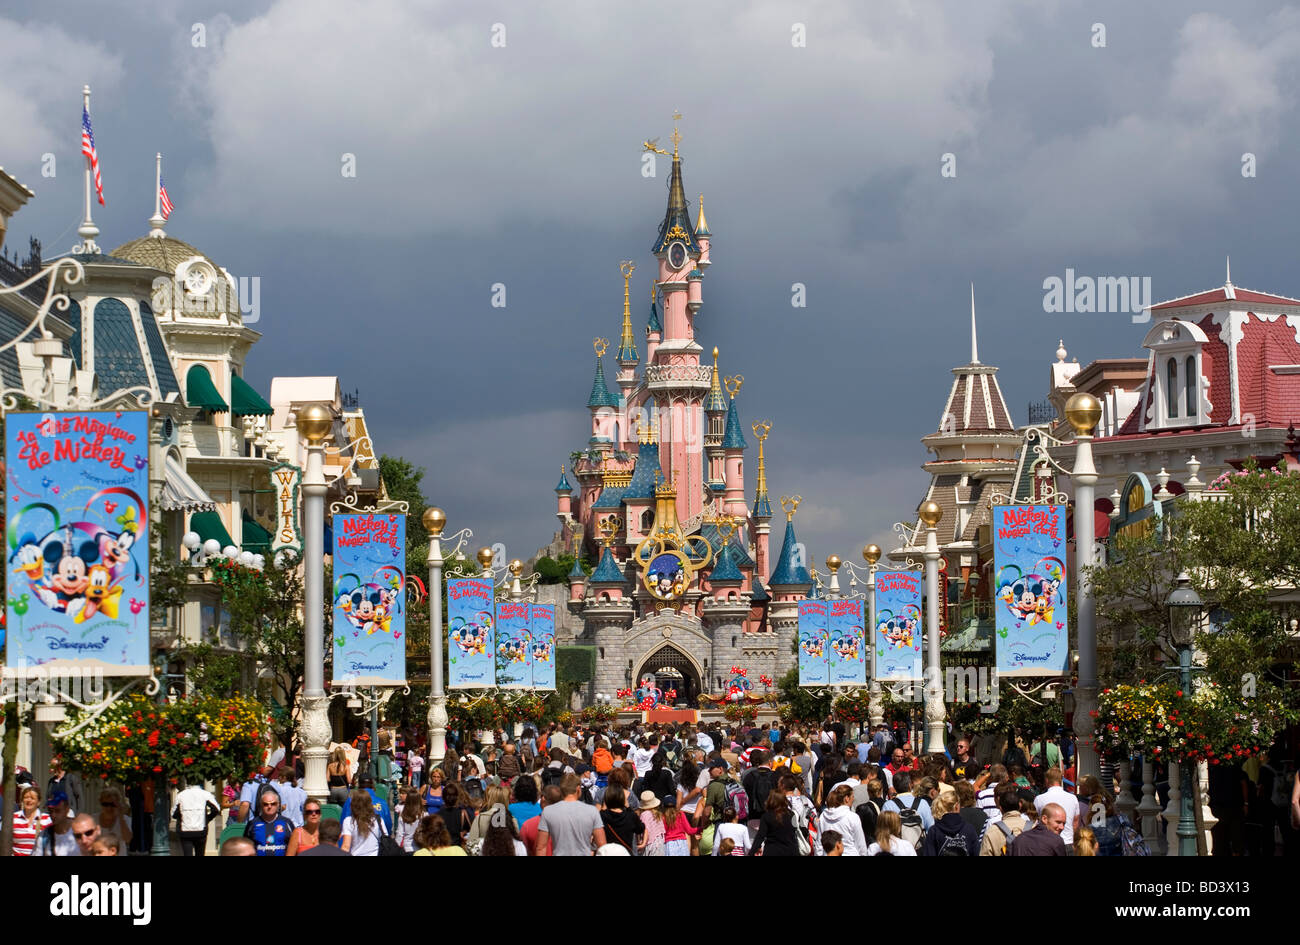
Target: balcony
x: 678, y: 375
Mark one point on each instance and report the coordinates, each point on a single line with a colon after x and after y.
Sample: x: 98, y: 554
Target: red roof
x: 1221, y: 295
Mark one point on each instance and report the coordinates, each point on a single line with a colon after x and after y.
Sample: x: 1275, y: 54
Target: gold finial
x: 627, y: 343
x: 762, y: 428
x: 435, y: 518
x: 627, y: 267
x: 700, y: 222
x: 601, y: 345
x: 1083, y: 411
x: 484, y: 558
x: 733, y: 384
x: 676, y: 135
x: 654, y: 290
x: 516, y: 566
x: 930, y: 513
x: 726, y: 525
x: 791, y: 505
x: 608, y: 529
x: 871, y: 554
x: 314, y: 422
x: 715, y: 355
x: 833, y: 563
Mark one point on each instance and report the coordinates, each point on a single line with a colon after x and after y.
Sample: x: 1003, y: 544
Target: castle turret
x: 733, y: 449
x: 563, y: 498
x: 790, y: 578
x: 654, y: 328
x: 703, y: 237
x: 715, y: 412
x: 603, y: 404
x: 761, y: 514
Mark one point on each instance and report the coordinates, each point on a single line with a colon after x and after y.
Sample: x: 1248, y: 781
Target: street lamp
x: 1083, y: 411
x: 875, y: 697
x: 435, y: 520
x: 314, y: 422
x: 934, y: 712
x: 1184, y: 617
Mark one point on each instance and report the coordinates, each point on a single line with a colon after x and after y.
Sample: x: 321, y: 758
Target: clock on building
x: 676, y: 254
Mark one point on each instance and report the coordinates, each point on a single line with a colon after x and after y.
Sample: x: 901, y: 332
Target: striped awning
x: 180, y: 493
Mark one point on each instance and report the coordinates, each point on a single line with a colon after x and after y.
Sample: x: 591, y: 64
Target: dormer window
x: 1179, y: 395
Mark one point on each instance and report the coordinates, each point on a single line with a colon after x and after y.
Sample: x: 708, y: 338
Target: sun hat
x: 648, y: 800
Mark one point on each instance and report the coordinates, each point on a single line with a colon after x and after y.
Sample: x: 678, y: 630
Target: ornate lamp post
x: 875, y: 696
x: 1083, y: 411
x: 435, y: 519
x: 314, y: 422
x: 930, y: 514
x: 1184, y: 615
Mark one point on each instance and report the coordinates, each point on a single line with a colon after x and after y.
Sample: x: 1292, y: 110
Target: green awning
x: 208, y: 525
x: 256, y: 538
x: 201, y: 392
x: 247, y: 402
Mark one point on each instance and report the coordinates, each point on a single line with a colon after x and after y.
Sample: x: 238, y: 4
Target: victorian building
x: 684, y: 585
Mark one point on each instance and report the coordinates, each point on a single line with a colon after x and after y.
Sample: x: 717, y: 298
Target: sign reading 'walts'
x: 286, y: 536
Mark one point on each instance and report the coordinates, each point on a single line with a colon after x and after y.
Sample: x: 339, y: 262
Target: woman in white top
x: 889, y: 832
x: 406, y: 818
x: 839, y: 816
x: 362, y: 830
x: 113, y: 822
x: 729, y: 829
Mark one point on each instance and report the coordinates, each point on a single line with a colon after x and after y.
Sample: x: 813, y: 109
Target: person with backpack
x: 913, y: 811
x: 709, y: 811
x: 776, y: 828
x: 889, y: 837
x: 868, y: 809
x: 998, y: 834
x: 951, y: 834
x: 758, y: 783
x: 658, y: 779
x: 555, y: 771
x: 838, y: 815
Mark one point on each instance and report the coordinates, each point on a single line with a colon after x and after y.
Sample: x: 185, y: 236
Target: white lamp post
x: 314, y: 424
x: 875, y: 697
x: 931, y: 513
x: 435, y: 519
x: 1083, y: 411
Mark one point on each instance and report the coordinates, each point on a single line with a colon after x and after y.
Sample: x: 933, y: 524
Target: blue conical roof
x: 642, y: 485
x: 725, y: 571
x: 563, y: 484
x: 759, y: 594
x: 608, y: 572
x: 576, y: 571
x: 786, y: 573
x: 734, y: 439
x: 762, y: 507
x: 654, y: 324
x: 600, y: 395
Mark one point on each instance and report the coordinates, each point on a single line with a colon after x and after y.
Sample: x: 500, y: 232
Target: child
x: 727, y: 847
x: 651, y: 814
x: 678, y: 830
x: 833, y: 843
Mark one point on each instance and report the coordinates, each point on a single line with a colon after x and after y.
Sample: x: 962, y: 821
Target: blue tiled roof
x: 725, y: 571
x: 677, y: 215
x: 627, y: 353
x: 600, y: 395
x: 715, y: 402
x: 611, y: 497
x: 695, y: 275
x: 786, y: 574
x: 162, y: 365
x: 119, y: 362
x: 759, y: 595
x: 608, y: 572
x: 576, y: 571
x: 734, y: 439
x: 709, y: 533
x: 563, y: 485
x: 73, y: 317
x: 642, y: 485
x: 762, y: 506
x: 654, y: 324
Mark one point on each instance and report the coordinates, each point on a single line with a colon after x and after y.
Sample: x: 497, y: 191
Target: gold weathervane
x: 601, y: 345
x: 791, y: 505
x: 733, y: 384
x: 627, y: 267
x: 652, y: 144
x: 762, y: 428
x: 608, y: 529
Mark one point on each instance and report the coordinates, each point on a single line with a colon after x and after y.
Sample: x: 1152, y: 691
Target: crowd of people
x: 642, y: 791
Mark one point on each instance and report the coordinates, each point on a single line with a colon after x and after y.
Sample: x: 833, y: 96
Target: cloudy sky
x: 820, y: 164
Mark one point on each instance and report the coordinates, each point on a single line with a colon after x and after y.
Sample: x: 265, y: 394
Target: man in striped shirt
x: 985, y: 800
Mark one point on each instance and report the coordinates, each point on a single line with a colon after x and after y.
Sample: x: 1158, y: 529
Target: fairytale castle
x: 684, y: 588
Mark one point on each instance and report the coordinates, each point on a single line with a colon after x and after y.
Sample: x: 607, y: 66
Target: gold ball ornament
x: 516, y: 567
x: 1083, y: 411
x: 314, y: 422
x: 434, y: 519
x: 871, y: 554
x: 833, y: 563
x: 484, y: 558
x: 931, y: 513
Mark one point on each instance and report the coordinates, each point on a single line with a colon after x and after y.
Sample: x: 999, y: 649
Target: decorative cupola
x: 602, y: 403
x: 715, y: 411
x: 703, y: 237
x: 733, y: 449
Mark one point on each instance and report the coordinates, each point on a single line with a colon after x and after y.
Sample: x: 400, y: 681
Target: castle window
x: 647, y: 520
x: 1171, y: 387
x: 1189, y: 380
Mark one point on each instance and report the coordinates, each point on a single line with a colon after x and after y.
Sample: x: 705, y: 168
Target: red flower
x: 188, y: 761
x: 157, y: 770
x: 130, y: 752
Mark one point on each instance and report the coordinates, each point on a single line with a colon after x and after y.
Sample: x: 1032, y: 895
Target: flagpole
x: 87, y: 231
x: 156, y: 221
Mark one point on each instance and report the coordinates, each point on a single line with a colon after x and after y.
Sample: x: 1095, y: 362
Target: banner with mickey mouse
x: 471, y: 634
x: 847, y: 642
x: 78, y: 536
x: 1029, y: 593
x: 898, y: 625
x: 814, y: 644
x: 369, y: 597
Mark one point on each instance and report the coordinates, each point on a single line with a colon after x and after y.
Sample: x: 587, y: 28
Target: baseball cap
x: 58, y: 797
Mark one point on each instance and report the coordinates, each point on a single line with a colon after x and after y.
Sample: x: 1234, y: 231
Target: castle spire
x: 715, y: 402
x: 676, y: 224
x: 600, y: 393
x: 762, y: 505
x: 627, y: 345
x: 974, y: 344
x: 701, y: 225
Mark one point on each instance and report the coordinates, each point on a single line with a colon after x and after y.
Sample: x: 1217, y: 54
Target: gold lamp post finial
x: 930, y: 513
x: 833, y: 563
x: 484, y: 558
x: 434, y: 519
x: 871, y: 554
x: 1083, y: 411
x: 314, y: 422
x: 516, y: 566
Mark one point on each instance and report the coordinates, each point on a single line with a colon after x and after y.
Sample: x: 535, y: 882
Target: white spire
x: 156, y: 221
x: 1227, y: 278
x: 87, y: 231
x: 974, y: 345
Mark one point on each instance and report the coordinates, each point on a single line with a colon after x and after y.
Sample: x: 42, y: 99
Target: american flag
x: 166, y: 201
x: 88, y: 149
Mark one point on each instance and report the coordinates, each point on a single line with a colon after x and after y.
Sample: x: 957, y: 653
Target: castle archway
x: 672, y: 669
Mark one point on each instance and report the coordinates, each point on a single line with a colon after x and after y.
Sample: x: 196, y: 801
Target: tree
x: 402, y: 482
x: 212, y: 673
x: 801, y: 704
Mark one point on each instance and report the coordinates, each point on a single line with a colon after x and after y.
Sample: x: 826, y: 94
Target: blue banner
x: 514, y: 645
x: 1033, y: 638
x: 898, y: 625
x: 369, y: 597
x: 543, y: 656
x: 848, y: 643
x: 814, y: 644
x: 471, y: 620
x: 78, y: 533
